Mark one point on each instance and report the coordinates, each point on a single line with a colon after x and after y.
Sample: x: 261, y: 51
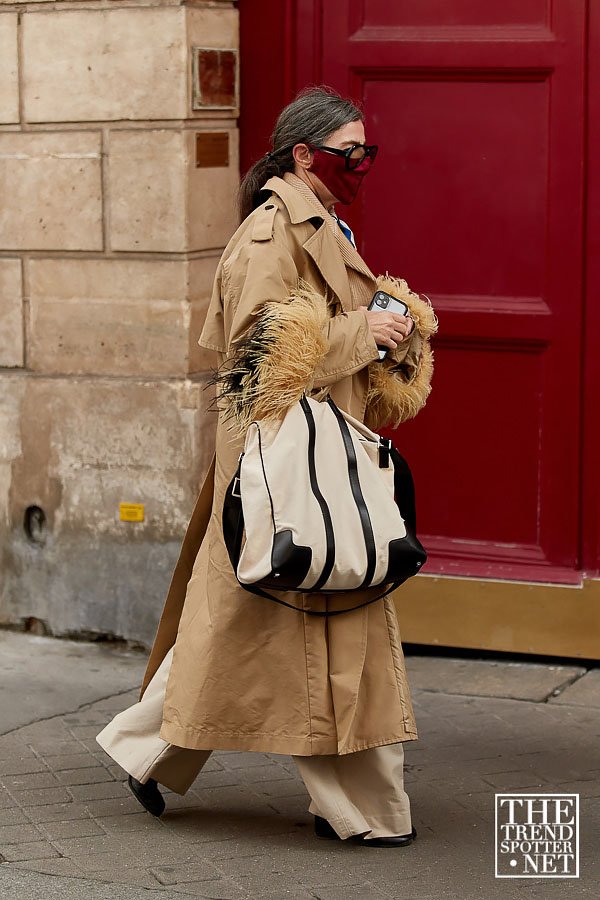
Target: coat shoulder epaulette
x: 264, y: 221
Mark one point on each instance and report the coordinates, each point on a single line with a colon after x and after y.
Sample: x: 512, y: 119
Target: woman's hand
x: 388, y: 328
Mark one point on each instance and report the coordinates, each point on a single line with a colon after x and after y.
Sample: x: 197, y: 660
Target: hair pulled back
x: 311, y: 117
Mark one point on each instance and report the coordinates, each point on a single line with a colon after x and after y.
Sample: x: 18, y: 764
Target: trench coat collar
x: 302, y: 206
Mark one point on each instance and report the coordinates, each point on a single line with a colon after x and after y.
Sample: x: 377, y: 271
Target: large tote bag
x: 326, y: 505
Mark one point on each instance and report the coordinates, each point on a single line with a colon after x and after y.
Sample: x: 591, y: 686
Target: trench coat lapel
x: 322, y: 247
x: 351, y: 256
x: 328, y: 246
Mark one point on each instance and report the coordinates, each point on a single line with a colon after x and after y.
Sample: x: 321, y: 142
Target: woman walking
x: 229, y: 670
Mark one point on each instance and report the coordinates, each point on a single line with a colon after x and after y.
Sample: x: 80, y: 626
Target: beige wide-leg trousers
x: 358, y: 793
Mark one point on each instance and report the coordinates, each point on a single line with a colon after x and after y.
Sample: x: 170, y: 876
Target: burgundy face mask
x: 343, y: 183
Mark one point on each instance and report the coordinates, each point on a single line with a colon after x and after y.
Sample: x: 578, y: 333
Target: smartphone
x: 383, y: 302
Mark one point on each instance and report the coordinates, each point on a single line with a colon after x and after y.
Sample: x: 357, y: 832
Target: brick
x: 13, y: 816
x: 133, y: 822
x: 33, y: 850
x: 21, y: 766
x: 84, y: 776
x: 14, y: 749
x: 18, y: 834
x: 115, y: 806
x: 220, y: 778
x: 41, y: 797
x: 76, y: 828
x: 55, y: 186
x: 222, y: 797
x: 104, y: 791
x: 72, y: 761
x: 29, y: 781
x: 51, y: 748
x: 58, y: 812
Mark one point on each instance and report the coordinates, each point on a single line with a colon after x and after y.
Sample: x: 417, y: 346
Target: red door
x: 476, y: 199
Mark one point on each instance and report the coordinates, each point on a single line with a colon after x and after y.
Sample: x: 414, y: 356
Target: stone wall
x: 118, y: 173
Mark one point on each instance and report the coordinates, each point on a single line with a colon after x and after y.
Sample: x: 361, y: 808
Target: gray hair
x: 310, y: 118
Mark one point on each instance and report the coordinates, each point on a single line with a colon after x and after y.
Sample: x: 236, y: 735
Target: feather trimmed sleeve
x: 281, y: 339
x: 400, y: 385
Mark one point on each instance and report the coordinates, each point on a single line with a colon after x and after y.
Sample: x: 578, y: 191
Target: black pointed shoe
x: 148, y: 795
x: 324, y: 830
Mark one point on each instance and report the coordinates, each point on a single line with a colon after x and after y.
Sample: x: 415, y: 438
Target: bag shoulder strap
x: 253, y: 589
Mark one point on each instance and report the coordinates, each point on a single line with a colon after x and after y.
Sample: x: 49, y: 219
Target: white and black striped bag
x: 326, y: 505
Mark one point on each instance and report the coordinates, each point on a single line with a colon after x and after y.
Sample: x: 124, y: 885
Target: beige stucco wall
x: 109, y: 239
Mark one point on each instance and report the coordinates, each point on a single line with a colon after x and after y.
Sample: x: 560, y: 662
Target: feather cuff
x: 275, y: 362
x: 397, y: 391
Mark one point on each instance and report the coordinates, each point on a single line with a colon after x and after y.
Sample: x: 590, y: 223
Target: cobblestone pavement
x: 70, y: 828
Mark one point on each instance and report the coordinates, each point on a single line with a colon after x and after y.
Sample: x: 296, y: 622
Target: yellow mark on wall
x: 131, y: 512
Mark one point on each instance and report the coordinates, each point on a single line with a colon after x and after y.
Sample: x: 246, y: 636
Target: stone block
x: 161, y: 201
x: 96, y: 443
x: 148, y: 49
x: 212, y: 193
x: 11, y: 313
x: 118, y: 317
x: 87, y: 445
x: 212, y: 27
x: 54, y: 185
x: 9, y: 95
x: 148, y: 190
x: 114, y: 64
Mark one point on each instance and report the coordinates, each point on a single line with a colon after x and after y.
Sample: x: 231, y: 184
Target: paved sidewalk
x: 69, y: 827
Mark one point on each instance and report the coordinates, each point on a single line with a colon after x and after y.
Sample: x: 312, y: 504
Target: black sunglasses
x: 354, y: 155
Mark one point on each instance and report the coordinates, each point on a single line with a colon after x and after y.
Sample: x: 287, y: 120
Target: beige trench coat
x: 248, y: 674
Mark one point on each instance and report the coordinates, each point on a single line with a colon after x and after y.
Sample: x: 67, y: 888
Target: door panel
x: 437, y: 13
x: 476, y: 198
x: 466, y: 159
